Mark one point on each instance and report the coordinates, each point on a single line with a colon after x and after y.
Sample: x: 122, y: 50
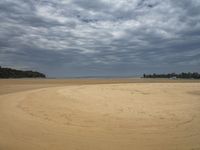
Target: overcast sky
x: 100, y: 37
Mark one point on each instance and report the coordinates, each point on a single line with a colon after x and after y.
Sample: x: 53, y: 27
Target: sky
x: 68, y: 38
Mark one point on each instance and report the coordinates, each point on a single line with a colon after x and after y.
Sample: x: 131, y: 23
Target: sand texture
x: 123, y: 116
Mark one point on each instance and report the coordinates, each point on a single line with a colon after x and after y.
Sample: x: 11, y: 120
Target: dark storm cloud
x: 100, y: 37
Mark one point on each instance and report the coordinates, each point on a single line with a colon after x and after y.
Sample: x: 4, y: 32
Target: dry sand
x: 84, y: 115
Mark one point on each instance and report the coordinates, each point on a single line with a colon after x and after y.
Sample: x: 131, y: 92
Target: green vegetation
x: 183, y: 75
x: 13, y: 73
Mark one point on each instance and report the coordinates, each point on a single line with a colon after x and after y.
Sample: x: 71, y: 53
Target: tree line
x: 13, y: 73
x: 182, y: 75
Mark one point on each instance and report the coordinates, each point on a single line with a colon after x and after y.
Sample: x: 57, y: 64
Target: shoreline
x: 17, y: 85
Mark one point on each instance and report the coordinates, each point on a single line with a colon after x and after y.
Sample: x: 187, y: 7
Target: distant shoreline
x: 7, y: 73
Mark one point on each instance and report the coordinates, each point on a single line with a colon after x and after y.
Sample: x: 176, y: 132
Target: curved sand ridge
x: 102, y: 117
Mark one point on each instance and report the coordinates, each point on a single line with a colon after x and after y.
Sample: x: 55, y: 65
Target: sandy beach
x: 115, y: 114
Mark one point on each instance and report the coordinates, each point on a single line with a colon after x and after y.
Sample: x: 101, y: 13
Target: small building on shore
x: 173, y: 78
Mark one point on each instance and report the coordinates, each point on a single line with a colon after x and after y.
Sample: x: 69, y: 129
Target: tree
x: 183, y: 75
x: 13, y: 73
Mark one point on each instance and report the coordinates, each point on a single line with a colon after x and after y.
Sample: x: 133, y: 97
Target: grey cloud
x: 100, y: 37
x: 97, y: 5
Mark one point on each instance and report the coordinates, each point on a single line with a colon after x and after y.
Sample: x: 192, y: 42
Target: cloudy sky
x: 100, y: 37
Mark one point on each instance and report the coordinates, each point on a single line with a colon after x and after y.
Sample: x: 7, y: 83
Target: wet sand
x: 115, y: 114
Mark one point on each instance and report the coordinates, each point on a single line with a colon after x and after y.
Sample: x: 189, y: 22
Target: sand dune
x: 131, y: 116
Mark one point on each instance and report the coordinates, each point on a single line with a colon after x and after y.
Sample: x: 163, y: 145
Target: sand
x: 93, y: 115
